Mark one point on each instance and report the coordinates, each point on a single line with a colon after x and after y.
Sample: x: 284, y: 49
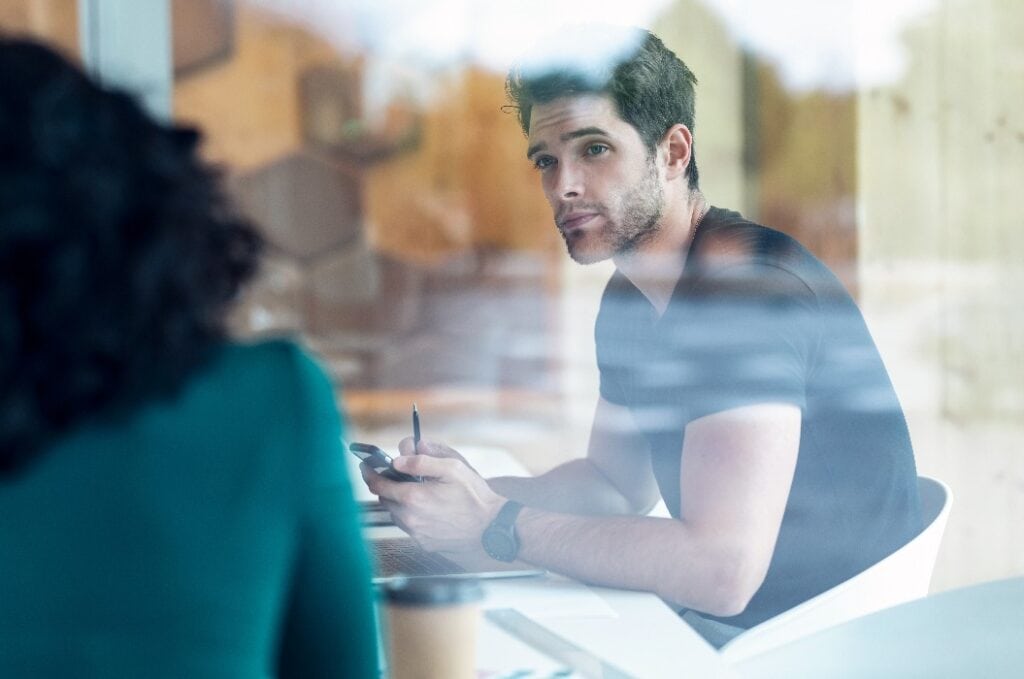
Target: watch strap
x: 499, y: 539
x: 507, y: 514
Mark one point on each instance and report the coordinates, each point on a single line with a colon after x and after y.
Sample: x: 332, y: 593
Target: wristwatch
x: 499, y: 538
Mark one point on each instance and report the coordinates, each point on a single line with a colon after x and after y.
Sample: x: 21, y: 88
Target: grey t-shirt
x: 755, y: 318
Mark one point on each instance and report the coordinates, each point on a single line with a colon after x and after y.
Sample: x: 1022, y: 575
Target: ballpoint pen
x: 415, y: 425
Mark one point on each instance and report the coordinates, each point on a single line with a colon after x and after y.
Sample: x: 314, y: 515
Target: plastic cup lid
x: 433, y: 591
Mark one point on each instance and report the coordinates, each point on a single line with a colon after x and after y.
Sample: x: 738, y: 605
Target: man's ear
x: 678, y: 143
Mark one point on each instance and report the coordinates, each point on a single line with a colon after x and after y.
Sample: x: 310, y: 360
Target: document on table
x: 503, y: 655
x: 549, y: 597
x: 554, y: 646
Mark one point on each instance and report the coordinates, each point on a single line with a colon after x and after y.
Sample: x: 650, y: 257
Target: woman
x: 171, y: 503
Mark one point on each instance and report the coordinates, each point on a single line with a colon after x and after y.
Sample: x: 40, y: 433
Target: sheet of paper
x: 502, y: 656
x: 549, y: 597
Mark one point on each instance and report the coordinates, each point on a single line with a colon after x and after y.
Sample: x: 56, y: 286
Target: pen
x: 415, y: 425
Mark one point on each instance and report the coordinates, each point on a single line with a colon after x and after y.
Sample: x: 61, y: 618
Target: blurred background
x: 412, y: 250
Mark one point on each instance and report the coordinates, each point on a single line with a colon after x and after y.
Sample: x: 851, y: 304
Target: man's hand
x: 408, y: 447
x: 446, y: 512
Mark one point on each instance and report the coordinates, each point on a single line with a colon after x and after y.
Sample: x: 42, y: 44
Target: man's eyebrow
x: 583, y: 132
x: 568, y: 136
x: 539, y: 146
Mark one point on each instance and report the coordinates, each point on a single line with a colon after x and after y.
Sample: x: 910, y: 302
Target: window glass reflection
x: 413, y: 249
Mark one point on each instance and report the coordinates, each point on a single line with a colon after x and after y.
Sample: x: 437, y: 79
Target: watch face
x: 500, y: 545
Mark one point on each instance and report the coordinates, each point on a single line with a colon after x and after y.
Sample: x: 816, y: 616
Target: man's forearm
x: 576, y: 487
x: 659, y: 555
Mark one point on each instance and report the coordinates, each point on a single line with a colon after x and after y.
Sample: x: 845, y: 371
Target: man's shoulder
x: 728, y: 239
x: 731, y: 247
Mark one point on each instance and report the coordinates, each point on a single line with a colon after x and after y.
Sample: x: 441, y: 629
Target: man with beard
x: 738, y: 380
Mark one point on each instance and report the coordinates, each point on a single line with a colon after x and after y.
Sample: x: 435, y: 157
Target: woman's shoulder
x: 275, y: 382
x: 279, y: 373
x: 275, y: 359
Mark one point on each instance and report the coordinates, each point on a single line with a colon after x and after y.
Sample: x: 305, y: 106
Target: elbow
x: 727, y: 588
x: 731, y: 592
x: 734, y: 583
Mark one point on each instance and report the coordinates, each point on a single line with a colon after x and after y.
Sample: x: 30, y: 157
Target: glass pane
x: 413, y: 248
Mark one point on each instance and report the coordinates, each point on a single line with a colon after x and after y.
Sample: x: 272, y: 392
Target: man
x: 738, y: 379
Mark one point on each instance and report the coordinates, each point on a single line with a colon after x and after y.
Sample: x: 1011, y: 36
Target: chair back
x: 902, y: 576
x: 974, y: 631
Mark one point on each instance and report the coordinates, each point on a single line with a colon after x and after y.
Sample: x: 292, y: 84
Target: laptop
x: 396, y: 558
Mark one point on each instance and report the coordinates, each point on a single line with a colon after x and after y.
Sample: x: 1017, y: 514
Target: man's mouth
x: 575, y: 222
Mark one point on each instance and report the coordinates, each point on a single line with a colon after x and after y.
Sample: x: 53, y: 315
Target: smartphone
x: 380, y: 462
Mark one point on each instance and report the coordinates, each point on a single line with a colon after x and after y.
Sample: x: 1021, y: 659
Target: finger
x: 442, y: 450
x: 436, y: 449
x: 408, y: 446
x: 397, y: 514
x: 375, y: 483
x: 440, y: 468
x: 380, y: 485
x: 369, y: 476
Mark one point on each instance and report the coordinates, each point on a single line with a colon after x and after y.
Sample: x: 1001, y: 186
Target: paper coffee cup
x: 432, y: 627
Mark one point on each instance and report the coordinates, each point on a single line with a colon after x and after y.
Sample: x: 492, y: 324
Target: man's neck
x: 656, y: 266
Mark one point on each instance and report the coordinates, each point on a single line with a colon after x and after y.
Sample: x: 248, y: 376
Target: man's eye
x: 543, y: 162
x: 596, y: 149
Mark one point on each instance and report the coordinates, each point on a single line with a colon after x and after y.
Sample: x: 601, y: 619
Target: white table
x: 636, y: 631
x: 645, y: 639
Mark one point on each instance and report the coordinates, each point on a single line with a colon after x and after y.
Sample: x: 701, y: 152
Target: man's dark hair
x: 119, y: 253
x: 652, y: 88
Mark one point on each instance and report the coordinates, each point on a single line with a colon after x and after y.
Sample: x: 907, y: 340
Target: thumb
x: 407, y: 446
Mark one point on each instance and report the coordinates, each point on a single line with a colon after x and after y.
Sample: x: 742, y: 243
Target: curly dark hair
x: 652, y: 88
x: 119, y: 252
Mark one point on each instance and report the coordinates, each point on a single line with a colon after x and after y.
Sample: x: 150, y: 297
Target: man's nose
x: 568, y: 181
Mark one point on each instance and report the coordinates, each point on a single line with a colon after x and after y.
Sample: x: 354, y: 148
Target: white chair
x: 902, y: 576
x: 975, y: 631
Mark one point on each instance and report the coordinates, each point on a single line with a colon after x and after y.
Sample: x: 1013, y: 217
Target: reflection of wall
x: 408, y: 260
x: 55, y: 21
x: 249, y: 105
x: 203, y: 33
x: 942, y: 241
x: 785, y: 159
x: 698, y: 37
x: 943, y: 160
x: 806, y: 149
x: 466, y: 185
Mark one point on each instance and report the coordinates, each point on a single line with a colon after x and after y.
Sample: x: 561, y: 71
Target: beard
x: 632, y: 221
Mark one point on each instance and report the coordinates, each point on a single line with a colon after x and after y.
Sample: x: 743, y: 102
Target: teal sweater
x: 210, y: 535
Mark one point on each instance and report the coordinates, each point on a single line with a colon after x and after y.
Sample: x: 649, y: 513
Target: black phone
x: 380, y: 462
